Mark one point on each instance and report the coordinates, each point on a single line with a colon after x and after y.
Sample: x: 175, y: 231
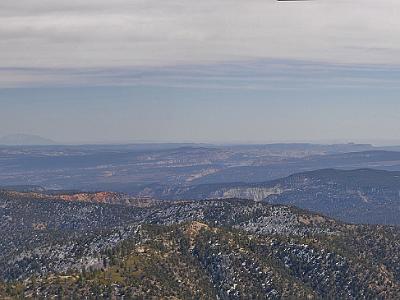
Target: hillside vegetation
x: 226, y: 249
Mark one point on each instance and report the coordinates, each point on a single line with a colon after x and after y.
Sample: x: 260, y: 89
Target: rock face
x: 90, y: 197
x: 98, y: 197
x: 226, y: 249
x: 254, y: 193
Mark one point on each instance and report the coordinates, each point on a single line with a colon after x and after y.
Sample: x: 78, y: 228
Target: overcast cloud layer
x: 47, y: 36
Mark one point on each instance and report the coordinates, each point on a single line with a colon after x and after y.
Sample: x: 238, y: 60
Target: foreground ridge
x: 226, y: 249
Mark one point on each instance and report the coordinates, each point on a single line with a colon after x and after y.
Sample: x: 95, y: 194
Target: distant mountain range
x: 25, y: 139
x: 357, y: 196
x: 374, y: 159
x: 127, y: 168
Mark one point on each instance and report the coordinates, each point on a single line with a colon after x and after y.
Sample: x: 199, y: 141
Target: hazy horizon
x: 373, y: 142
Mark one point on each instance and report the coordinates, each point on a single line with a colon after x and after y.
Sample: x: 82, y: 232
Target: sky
x: 204, y: 71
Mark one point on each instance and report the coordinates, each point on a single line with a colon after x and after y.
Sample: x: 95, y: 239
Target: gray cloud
x: 119, y: 34
x: 256, y: 75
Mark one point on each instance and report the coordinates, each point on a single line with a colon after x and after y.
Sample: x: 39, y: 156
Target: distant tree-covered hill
x: 357, y: 196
